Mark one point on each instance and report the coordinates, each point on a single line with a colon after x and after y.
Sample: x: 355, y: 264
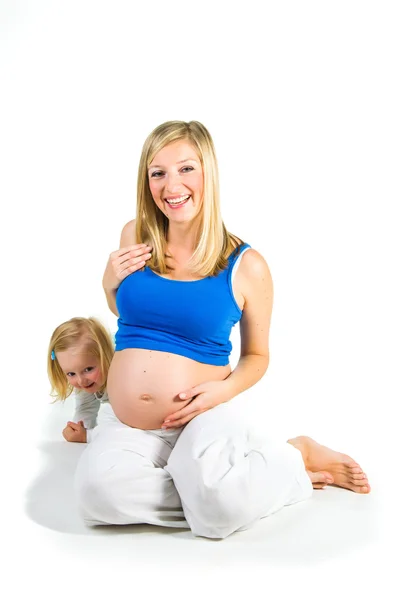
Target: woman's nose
x: 172, y: 182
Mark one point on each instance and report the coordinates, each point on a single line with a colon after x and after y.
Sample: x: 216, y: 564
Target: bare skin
x: 328, y: 467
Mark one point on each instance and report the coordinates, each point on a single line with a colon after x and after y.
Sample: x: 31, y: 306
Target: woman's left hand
x: 205, y: 396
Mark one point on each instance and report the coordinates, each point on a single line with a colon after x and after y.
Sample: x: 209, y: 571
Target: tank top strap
x: 236, y: 254
x: 235, y: 258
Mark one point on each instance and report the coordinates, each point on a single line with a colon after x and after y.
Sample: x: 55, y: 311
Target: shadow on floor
x: 332, y: 523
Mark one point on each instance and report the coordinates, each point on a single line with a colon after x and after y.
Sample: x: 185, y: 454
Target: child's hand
x: 75, y: 432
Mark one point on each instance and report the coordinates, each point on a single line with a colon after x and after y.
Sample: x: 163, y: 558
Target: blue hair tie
x: 53, y: 356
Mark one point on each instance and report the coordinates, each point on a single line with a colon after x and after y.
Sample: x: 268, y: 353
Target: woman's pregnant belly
x: 144, y: 385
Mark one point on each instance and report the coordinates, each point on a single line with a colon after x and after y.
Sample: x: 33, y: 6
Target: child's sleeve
x: 86, y: 409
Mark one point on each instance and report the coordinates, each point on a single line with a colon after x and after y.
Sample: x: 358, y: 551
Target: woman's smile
x: 177, y: 202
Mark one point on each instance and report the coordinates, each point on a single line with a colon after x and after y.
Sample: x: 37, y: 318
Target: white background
x: 302, y: 101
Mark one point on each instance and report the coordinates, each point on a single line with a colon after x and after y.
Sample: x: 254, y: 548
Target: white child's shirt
x: 87, y: 408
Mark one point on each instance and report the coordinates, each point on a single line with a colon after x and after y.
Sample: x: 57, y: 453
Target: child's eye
x: 70, y: 374
x: 88, y: 369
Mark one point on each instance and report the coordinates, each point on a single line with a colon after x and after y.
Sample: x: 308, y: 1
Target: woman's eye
x: 156, y: 173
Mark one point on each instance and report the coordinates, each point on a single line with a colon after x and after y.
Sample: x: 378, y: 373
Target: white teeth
x: 178, y: 201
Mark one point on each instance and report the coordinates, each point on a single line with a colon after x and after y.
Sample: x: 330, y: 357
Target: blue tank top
x: 190, y: 318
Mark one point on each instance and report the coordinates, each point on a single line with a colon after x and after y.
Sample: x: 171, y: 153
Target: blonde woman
x: 175, y: 454
x: 79, y: 356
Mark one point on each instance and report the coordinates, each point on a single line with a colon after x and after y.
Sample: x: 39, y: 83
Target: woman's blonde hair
x: 214, y: 243
x: 96, y: 340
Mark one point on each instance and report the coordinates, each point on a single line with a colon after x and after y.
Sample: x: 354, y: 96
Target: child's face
x: 81, y: 368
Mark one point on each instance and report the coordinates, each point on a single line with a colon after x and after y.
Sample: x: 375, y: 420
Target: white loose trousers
x: 213, y: 475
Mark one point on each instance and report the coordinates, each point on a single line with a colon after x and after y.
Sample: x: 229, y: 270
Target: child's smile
x: 81, y: 368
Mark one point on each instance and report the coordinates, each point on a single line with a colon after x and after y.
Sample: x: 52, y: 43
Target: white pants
x: 213, y: 475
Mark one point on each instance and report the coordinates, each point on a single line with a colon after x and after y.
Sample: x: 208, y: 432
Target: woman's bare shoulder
x: 128, y: 234
x: 254, y: 272
x: 253, y: 264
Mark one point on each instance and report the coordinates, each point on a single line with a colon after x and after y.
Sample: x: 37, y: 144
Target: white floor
x: 294, y: 535
x: 299, y: 550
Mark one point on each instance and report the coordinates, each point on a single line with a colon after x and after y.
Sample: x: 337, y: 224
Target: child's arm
x: 85, y: 418
x: 86, y: 409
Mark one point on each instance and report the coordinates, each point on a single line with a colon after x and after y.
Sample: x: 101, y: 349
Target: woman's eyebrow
x: 178, y: 163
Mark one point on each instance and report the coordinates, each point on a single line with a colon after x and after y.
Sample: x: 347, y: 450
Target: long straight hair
x: 214, y: 243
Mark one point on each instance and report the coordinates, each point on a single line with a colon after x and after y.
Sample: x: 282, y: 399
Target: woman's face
x: 176, y: 181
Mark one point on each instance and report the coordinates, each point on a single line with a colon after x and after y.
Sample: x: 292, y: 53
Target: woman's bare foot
x: 325, y: 466
x: 320, y: 479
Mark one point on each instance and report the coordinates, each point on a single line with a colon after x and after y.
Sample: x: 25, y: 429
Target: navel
x: 146, y: 397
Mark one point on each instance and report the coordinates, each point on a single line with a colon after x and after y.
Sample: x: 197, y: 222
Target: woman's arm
x: 257, y: 289
x: 128, y: 234
x: 256, y: 286
x: 110, y: 284
x: 111, y: 297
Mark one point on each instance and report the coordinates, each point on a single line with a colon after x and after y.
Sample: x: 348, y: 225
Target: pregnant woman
x: 172, y: 452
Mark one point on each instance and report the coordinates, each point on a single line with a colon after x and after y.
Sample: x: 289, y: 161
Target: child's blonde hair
x: 96, y: 340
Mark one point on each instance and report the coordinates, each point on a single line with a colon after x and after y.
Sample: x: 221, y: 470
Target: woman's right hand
x: 123, y: 262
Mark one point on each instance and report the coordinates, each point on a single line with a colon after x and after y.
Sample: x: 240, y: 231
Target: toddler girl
x: 79, y: 357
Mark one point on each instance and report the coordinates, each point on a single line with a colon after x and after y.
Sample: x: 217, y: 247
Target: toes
x: 364, y: 489
x: 320, y: 478
x: 356, y: 476
x: 355, y: 469
x: 323, y: 477
x: 360, y: 489
x: 350, y: 463
x: 360, y: 484
x: 327, y: 477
